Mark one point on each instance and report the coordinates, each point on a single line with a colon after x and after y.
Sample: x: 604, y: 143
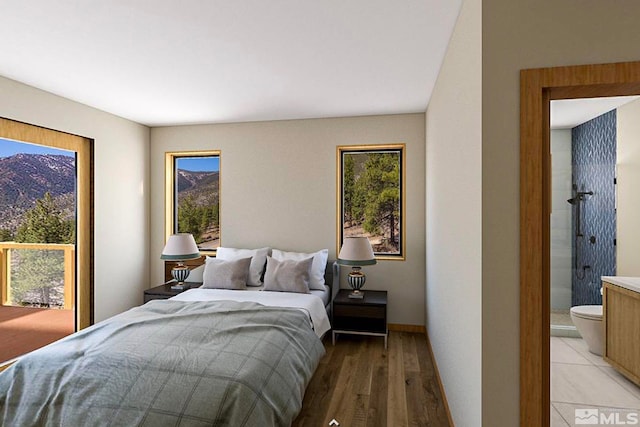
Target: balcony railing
x: 31, y: 272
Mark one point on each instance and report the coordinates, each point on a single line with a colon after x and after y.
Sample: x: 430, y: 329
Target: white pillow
x: 288, y: 275
x: 221, y: 274
x: 316, y: 274
x: 196, y: 274
x: 258, y: 260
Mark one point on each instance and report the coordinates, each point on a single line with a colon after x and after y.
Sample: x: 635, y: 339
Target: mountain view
x: 202, y: 186
x: 198, y: 206
x: 37, y: 205
x: 25, y: 178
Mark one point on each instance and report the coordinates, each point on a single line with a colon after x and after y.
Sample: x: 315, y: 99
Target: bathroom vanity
x: 621, y: 322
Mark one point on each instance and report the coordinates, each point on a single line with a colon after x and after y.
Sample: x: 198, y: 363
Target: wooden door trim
x: 537, y: 88
x: 19, y: 131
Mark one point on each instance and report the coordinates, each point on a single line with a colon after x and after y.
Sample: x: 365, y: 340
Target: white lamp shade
x: 180, y: 247
x: 356, y: 251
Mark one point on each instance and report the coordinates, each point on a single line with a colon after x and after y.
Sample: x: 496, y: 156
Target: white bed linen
x: 309, y: 303
x: 324, y: 295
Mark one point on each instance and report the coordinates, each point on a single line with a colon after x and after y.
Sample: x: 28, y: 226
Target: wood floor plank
x: 359, y: 383
x: 434, y: 400
x: 377, y: 416
x: 377, y: 406
x: 416, y: 414
x: 397, y: 400
x: 341, y: 407
x: 360, y: 411
x: 360, y: 387
x: 410, y: 353
x: 362, y: 380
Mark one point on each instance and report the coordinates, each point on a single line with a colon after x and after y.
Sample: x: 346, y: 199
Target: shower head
x: 573, y: 200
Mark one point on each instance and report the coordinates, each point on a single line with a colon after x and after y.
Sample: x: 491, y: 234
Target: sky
x: 199, y: 164
x: 195, y: 164
x: 9, y: 148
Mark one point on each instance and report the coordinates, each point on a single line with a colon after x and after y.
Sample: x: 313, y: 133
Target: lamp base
x: 356, y: 281
x: 180, y: 273
x: 356, y: 294
x: 180, y: 287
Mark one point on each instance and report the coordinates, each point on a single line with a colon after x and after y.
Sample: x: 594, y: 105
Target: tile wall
x: 593, y: 169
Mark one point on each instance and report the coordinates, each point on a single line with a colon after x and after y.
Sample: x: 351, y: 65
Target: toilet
x: 588, y: 321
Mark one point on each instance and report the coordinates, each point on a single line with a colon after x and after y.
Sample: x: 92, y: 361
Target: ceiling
x: 167, y: 62
x: 569, y: 113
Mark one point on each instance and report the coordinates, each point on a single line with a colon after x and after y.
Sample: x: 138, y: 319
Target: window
x: 192, y: 199
x: 371, y: 197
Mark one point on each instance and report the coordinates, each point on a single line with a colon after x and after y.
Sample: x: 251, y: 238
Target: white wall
x: 520, y: 34
x: 628, y: 196
x: 278, y: 188
x: 454, y: 209
x: 121, y: 161
x: 561, y: 234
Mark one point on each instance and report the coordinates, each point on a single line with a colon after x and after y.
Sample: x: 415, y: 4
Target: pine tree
x: 39, y: 271
x: 381, y: 179
x: 5, y: 235
x: 348, y: 189
x: 190, y: 218
x: 215, y: 215
x: 44, y: 224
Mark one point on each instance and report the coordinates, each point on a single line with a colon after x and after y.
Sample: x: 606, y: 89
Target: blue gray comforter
x: 169, y: 363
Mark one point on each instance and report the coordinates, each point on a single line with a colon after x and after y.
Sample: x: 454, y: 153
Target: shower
x: 582, y: 230
x: 579, y: 196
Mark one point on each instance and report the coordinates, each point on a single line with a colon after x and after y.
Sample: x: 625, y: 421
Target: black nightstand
x: 366, y: 316
x: 164, y: 291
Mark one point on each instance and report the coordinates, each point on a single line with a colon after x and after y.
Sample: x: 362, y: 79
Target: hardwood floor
x: 359, y: 383
x: 24, y: 329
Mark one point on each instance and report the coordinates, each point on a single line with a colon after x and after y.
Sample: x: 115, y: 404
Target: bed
x: 236, y: 358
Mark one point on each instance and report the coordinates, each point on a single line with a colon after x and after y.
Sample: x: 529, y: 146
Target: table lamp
x: 180, y: 247
x: 356, y: 252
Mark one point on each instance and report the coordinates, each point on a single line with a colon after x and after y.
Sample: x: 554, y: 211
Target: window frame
x: 171, y: 192
x: 341, y: 151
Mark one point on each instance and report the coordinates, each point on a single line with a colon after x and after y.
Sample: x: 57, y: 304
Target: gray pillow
x: 258, y: 260
x: 316, y: 273
x: 287, y: 275
x: 222, y: 274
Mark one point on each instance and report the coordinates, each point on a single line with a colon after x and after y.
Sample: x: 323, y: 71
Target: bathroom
x: 595, y: 232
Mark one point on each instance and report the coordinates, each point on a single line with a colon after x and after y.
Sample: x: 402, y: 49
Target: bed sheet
x: 311, y: 304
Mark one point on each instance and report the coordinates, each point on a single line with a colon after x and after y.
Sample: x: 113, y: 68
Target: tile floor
x: 561, y: 324
x: 582, y: 380
x: 561, y: 318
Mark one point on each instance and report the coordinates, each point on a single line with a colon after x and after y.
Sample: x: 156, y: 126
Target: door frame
x: 537, y: 88
x: 19, y: 131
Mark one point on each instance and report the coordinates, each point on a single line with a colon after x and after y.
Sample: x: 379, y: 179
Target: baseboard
x: 444, y: 396
x: 397, y: 327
